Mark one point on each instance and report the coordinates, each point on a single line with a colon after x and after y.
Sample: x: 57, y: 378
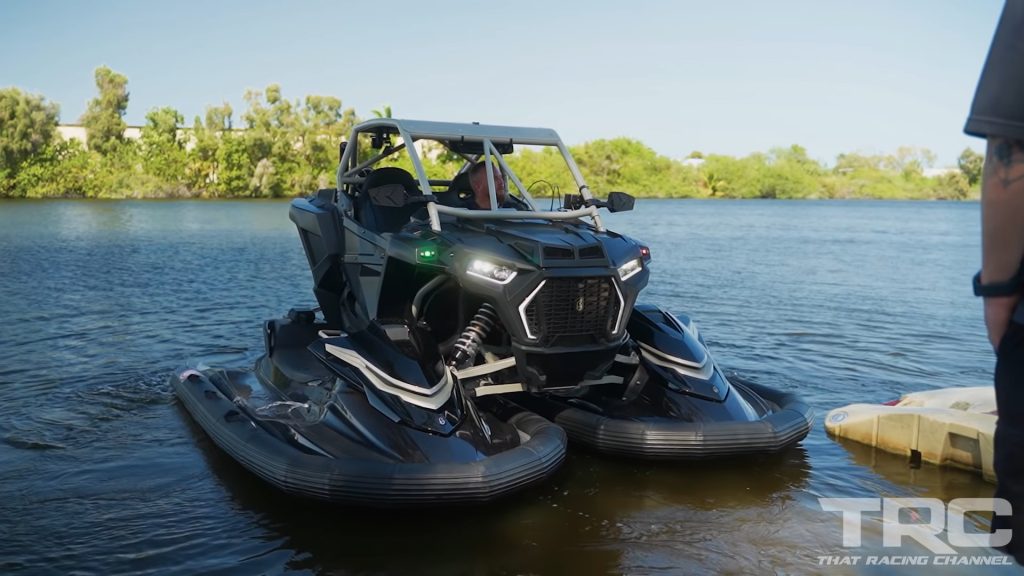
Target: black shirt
x: 998, y: 108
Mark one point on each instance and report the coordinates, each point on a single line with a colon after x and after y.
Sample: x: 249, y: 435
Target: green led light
x: 426, y: 254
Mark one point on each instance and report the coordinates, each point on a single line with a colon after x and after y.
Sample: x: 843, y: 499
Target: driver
x: 478, y: 183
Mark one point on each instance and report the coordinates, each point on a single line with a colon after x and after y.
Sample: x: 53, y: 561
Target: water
x: 101, y: 471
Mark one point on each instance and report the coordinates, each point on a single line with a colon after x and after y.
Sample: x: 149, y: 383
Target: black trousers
x: 1009, y: 440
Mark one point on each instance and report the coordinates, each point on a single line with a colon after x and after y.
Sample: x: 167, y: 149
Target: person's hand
x: 998, y: 312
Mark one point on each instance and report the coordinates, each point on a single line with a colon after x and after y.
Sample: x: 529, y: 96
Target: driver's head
x: 478, y: 182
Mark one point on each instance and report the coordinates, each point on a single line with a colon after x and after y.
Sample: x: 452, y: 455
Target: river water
x: 102, y: 472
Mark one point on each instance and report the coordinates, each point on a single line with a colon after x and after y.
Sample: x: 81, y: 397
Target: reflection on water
x: 596, y: 516
x: 101, y: 471
x: 927, y: 479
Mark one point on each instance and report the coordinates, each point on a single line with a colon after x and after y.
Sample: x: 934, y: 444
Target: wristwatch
x: 996, y: 289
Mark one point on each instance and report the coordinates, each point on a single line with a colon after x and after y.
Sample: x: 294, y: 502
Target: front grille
x: 573, y: 310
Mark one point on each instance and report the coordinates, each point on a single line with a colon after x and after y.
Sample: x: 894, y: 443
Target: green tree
x: 543, y: 172
x: 123, y: 174
x: 162, y: 126
x: 204, y: 142
x: 201, y: 158
x: 279, y: 130
x: 219, y: 118
x: 104, y: 118
x: 728, y: 177
x: 289, y: 147
x: 234, y: 172
x: 910, y: 160
x: 712, y: 183
x: 382, y: 112
x: 262, y: 129
x: 264, y: 183
x: 790, y: 173
x: 27, y: 126
x: 971, y: 164
x: 951, y: 186
x: 630, y: 165
x: 853, y: 162
x: 62, y: 169
x: 322, y: 125
x: 163, y: 151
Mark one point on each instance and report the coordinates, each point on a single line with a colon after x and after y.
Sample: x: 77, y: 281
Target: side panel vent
x: 594, y: 252
x: 558, y: 253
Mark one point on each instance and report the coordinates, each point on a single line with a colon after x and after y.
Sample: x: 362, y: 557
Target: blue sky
x: 728, y: 77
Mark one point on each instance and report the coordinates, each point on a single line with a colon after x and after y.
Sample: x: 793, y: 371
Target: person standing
x: 997, y: 114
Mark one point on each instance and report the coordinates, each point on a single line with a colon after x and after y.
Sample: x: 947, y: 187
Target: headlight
x: 629, y: 269
x: 496, y: 273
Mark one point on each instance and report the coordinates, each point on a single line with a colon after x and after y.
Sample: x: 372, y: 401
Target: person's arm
x: 1002, y: 228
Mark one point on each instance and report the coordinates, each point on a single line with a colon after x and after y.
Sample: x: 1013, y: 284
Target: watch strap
x: 997, y: 289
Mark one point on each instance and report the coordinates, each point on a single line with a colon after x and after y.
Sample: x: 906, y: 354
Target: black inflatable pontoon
x: 782, y: 422
x: 312, y: 421
x: 679, y: 405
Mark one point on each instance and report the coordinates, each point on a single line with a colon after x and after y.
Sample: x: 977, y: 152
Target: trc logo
x: 939, y: 517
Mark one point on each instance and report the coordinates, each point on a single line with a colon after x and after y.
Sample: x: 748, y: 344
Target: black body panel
x: 320, y: 230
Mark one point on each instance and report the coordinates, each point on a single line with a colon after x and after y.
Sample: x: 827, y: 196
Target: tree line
x: 281, y: 148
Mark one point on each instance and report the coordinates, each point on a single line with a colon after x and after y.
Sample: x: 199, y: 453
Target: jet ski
x: 538, y: 308
x: 353, y: 419
x: 324, y: 417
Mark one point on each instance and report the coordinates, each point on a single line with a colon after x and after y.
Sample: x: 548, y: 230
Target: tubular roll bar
x: 412, y: 130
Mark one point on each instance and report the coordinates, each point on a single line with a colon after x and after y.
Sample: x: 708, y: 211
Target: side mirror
x: 620, y: 202
x: 573, y: 202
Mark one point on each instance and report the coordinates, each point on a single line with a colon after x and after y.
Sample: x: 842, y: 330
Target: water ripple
x: 105, y: 473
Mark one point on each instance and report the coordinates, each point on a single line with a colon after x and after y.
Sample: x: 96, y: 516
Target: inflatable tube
x: 788, y: 423
x: 379, y: 482
x: 948, y: 427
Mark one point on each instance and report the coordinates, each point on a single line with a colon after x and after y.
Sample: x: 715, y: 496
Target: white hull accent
x: 432, y: 398
x: 704, y: 370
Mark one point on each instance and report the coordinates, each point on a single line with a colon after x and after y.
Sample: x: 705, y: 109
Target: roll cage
x: 471, y: 142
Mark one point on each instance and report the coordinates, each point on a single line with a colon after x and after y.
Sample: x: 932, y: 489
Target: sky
x: 727, y: 77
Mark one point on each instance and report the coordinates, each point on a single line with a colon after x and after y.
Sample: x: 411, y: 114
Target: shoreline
x: 289, y: 198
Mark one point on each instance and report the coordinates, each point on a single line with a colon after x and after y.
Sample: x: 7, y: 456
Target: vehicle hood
x: 543, y: 244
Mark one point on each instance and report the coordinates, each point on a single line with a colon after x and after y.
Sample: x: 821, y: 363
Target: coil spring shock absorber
x: 473, y: 335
